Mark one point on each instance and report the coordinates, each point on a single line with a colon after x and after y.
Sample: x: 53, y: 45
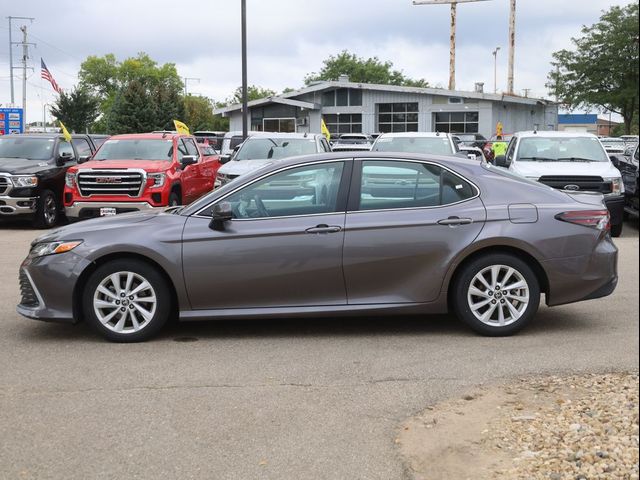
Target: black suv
x: 629, y: 167
x: 32, y: 174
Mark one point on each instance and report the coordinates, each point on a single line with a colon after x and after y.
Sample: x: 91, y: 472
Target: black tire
x: 460, y: 292
x: 616, y: 230
x: 47, y: 210
x: 174, y: 199
x: 161, y: 312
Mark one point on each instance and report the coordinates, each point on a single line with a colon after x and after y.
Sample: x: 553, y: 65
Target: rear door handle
x: 455, y: 221
x: 324, y: 228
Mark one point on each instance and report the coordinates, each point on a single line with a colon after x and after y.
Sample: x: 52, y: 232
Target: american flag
x: 46, y: 74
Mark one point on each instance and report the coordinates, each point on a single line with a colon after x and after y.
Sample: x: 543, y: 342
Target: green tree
x: 253, y: 93
x: 114, y: 82
x: 134, y: 109
x: 77, y: 109
x: 361, y: 70
x: 199, y: 115
x: 602, y: 70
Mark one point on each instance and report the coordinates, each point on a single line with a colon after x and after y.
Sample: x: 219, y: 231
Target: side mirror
x: 63, y: 158
x: 188, y: 160
x: 225, y: 158
x: 222, y: 212
x: 84, y: 158
x: 500, y: 161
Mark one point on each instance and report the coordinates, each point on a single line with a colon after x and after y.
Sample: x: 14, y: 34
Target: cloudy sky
x: 288, y: 39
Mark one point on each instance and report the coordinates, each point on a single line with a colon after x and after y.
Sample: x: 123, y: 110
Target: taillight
x: 598, y: 219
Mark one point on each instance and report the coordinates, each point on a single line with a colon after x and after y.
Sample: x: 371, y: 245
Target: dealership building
x: 349, y: 107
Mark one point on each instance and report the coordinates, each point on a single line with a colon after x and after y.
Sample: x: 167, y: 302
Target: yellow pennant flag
x: 181, y: 128
x: 325, y: 130
x: 65, y: 132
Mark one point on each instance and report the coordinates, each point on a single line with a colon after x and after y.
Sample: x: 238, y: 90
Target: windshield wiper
x: 576, y: 159
x: 539, y: 159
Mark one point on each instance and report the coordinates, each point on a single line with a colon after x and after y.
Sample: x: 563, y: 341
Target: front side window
x: 307, y: 190
x: 430, y: 145
x: 66, y: 148
x: 26, y: 147
x: 191, y: 148
x: 82, y: 146
x: 136, y: 149
x: 558, y: 149
x: 394, y: 184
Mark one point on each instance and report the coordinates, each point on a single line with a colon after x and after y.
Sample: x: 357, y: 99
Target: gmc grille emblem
x: 572, y: 187
x: 108, y: 180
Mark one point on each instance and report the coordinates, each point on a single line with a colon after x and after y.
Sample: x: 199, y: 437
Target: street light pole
x: 495, y: 70
x: 512, y: 45
x: 245, y: 111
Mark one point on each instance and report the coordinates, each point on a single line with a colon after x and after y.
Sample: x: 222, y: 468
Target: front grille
x: 585, y: 183
x: 110, y: 182
x: 29, y: 297
x: 4, y: 185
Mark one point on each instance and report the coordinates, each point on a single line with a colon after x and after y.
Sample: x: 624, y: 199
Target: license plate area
x: 107, y: 211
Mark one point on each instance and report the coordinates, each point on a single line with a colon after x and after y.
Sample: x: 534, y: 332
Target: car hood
x: 77, y: 231
x: 242, y: 167
x: 23, y: 166
x: 146, y: 165
x: 538, y: 169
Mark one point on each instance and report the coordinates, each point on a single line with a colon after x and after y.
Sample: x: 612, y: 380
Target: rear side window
x: 397, y: 184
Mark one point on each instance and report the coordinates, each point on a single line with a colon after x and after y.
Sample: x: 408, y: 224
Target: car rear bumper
x: 85, y: 210
x: 583, y: 277
x: 17, y: 205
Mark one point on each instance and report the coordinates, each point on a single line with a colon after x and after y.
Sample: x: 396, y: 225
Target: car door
x: 406, y: 221
x: 200, y: 184
x: 283, y: 248
x: 189, y: 175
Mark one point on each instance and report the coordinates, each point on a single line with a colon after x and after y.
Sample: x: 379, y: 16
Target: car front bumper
x: 85, y: 210
x: 17, y: 205
x: 47, y: 286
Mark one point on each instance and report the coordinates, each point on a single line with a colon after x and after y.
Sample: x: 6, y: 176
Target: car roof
x: 551, y: 134
x: 414, y: 135
x: 44, y: 135
x: 285, y: 135
x: 147, y: 136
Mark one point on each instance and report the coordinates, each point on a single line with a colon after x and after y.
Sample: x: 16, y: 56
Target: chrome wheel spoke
x: 103, y: 304
x: 519, y: 284
x: 108, y: 317
x: 145, y: 313
x: 477, y: 292
x: 105, y: 291
x: 513, y: 310
x: 486, y: 316
x: 479, y: 305
x: 518, y: 298
x: 500, y: 315
x: 143, y: 286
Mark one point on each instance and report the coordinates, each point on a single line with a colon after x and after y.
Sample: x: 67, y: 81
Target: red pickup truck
x: 138, y: 172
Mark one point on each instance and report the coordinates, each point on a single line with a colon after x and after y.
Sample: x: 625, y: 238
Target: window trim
x: 341, y: 203
x: 353, y: 203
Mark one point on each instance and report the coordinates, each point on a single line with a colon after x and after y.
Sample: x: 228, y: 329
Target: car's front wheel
x: 496, y: 294
x: 126, y: 300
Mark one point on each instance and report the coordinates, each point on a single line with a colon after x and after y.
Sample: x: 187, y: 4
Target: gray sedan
x: 331, y: 234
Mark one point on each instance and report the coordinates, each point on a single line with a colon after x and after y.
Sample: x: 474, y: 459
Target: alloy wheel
x: 125, y: 302
x: 50, y: 210
x: 498, y: 295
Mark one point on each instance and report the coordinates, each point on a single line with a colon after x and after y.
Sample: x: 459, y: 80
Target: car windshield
x: 136, y: 149
x: 558, y: 149
x: 432, y: 145
x: 273, y: 148
x: 26, y: 147
x: 353, y: 141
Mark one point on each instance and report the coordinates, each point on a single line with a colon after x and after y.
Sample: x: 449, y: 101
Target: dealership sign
x: 11, y: 121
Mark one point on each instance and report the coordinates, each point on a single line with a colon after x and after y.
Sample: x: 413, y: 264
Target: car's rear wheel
x: 126, y: 301
x: 496, y: 294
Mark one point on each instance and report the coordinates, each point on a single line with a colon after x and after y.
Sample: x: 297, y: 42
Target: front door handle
x: 455, y: 221
x: 324, y: 228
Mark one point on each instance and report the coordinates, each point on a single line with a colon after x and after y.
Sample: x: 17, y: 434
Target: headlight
x: 70, y: 179
x: 617, y: 187
x: 156, y: 179
x: 24, y: 181
x: 52, y: 248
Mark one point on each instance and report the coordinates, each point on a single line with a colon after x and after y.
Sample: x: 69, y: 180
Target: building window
x: 455, y: 100
x: 456, y: 122
x: 286, y: 125
x: 397, y: 117
x: 343, y: 123
x: 342, y: 97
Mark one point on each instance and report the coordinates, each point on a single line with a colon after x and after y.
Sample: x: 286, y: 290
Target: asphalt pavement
x: 274, y: 399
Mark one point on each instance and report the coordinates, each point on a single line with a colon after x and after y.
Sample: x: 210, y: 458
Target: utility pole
x: 512, y: 45
x: 526, y: 91
x: 495, y: 70
x: 25, y: 57
x: 11, y: 53
x: 452, y: 37
x: 186, y: 79
x: 245, y: 108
